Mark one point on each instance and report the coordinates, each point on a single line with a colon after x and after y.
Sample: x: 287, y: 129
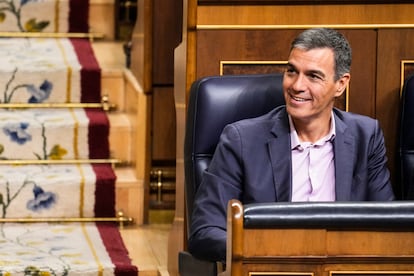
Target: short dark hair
x: 327, y: 38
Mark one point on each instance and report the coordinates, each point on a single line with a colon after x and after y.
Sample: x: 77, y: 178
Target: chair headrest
x: 219, y: 100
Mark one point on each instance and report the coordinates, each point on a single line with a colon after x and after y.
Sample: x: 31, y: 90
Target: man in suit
x: 304, y: 151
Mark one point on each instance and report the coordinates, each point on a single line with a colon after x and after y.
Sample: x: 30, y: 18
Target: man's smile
x: 299, y: 99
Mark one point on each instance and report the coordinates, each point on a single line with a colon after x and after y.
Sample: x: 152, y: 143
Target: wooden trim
x: 142, y: 50
x: 296, y: 2
x: 370, y: 273
x: 235, y: 239
x: 305, y: 16
x: 404, y: 64
x: 307, y: 26
x: 276, y: 273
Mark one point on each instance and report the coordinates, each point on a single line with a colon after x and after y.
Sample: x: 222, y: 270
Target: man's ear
x: 342, y: 83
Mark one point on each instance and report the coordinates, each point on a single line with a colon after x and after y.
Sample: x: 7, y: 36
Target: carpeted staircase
x: 57, y: 181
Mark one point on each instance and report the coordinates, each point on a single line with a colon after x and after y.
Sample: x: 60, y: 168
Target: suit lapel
x: 281, y: 158
x: 344, y: 160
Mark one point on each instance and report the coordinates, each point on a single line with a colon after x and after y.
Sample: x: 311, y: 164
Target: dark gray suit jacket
x: 252, y: 163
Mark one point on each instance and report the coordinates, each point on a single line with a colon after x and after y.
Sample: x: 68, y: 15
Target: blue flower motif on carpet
x: 18, y: 132
x: 42, y: 199
x: 40, y: 94
x: 24, y: 2
x: 37, y: 94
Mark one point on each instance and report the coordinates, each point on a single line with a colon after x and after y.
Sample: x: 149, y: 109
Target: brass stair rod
x: 104, y: 105
x: 68, y: 161
x: 49, y: 105
x: 50, y: 35
x: 122, y: 220
x: 58, y: 220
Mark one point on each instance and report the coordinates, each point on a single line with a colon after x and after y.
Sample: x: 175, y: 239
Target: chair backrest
x: 215, y: 102
x: 407, y: 139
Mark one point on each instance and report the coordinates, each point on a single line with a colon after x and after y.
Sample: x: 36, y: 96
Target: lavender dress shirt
x: 313, y: 168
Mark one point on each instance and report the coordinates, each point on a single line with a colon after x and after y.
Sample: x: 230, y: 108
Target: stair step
x: 120, y: 137
x: 53, y: 134
x: 63, y: 249
x: 129, y: 196
x: 38, y: 71
x: 112, y: 60
x: 102, y: 18
x: 129, y: 189
x: 62, y: 190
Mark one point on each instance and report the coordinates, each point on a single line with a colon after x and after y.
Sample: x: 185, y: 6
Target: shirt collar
x: 294, y: 138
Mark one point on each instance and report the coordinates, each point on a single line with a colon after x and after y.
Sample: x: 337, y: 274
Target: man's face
x: 309, y: 85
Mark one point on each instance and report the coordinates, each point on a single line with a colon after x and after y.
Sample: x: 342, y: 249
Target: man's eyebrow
x: 290, y: 65
x: 316, y: 72
x: 308, y: 72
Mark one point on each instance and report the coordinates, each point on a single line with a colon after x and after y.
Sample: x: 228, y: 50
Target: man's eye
x: 315, y: 77
x: 290, y: 70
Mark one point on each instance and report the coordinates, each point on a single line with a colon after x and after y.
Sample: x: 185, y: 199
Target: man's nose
x: 299, y: 83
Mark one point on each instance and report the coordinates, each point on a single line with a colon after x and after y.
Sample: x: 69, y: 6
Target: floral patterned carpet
x: 51, y: 16
x: 59, y: 249
x: 39, y: 70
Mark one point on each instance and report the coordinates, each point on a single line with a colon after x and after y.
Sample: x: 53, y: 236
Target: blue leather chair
x: 407, y: 140
x: 214, y: 102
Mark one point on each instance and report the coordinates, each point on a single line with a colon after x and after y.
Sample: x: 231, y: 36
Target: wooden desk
x: 313, y: 251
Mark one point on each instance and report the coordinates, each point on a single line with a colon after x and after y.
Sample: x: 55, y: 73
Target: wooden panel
x: 215, y: 46
x: 317, y: 252
x: 292, y: 242
x: 370, y: 243
x: 163, y: 124
x: 363, y: 69
x: 290, y: 16
x: 138, y: 110
x: 394, y: 45
x: 263, y: 51
x: 182, y: 72
x: 141, y: 50
x: 167, y: 29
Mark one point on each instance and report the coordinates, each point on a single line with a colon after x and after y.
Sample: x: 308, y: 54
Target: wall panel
x: 394, y: 46
x: 163, y: 124
x: 167, y: 29
x: 245, y: 46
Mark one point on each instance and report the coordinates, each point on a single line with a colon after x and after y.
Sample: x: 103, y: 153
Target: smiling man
x: 306, y: 150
